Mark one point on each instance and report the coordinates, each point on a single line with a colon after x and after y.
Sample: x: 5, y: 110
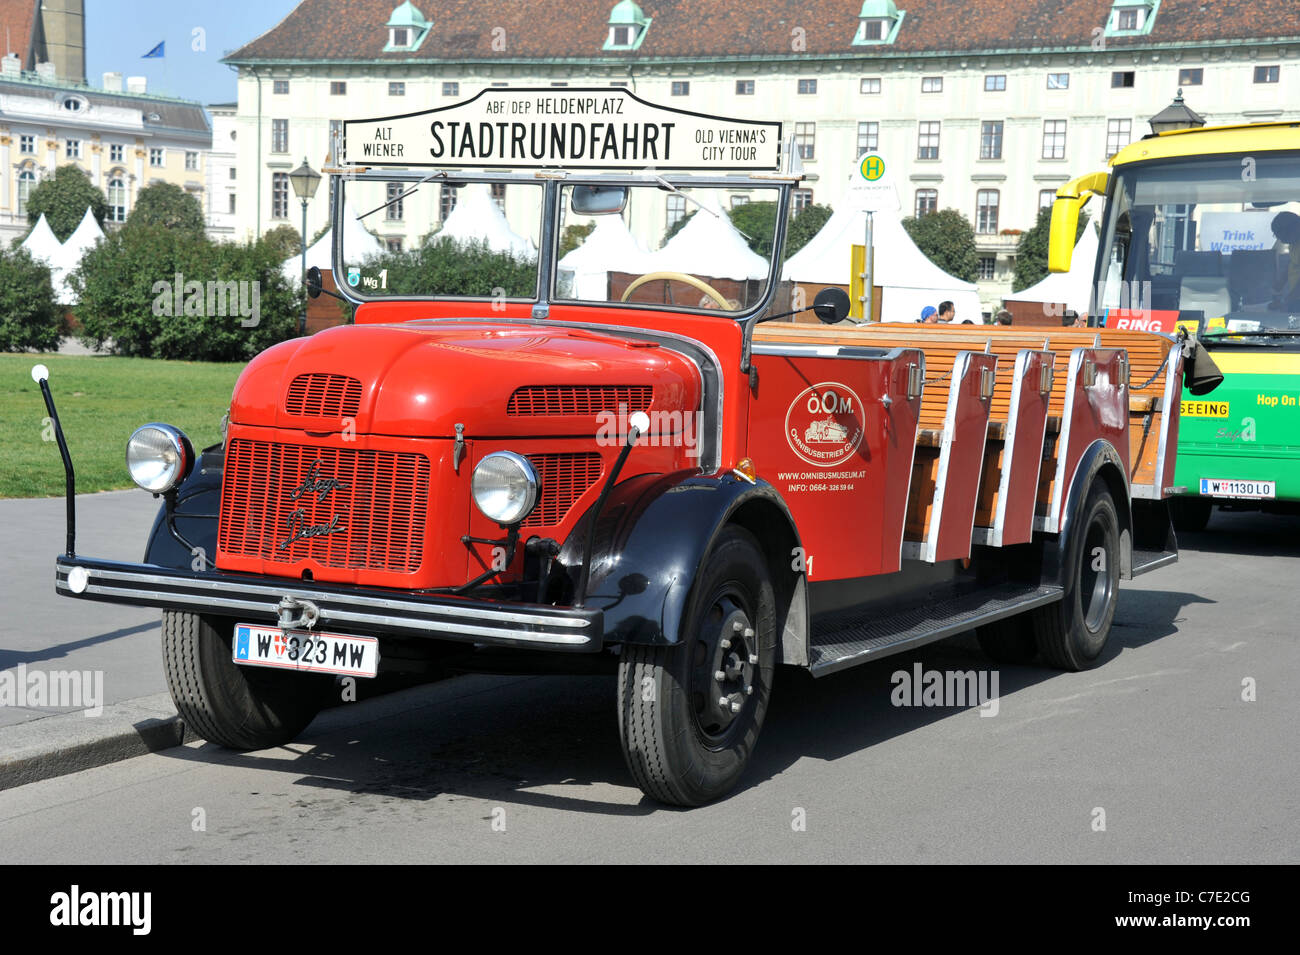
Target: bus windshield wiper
x: 440, y: 174
x: 1262, y: 333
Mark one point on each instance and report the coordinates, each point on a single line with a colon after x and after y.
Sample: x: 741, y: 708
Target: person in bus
x: 1286, y: 227
x: 929, y: 315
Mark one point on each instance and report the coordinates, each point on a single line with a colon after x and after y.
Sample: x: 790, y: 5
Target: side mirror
x: 313, y: 282
x: 1200, y: 373
x: 831, y: 305
x: 598, y: 200
x: 1070, y: 199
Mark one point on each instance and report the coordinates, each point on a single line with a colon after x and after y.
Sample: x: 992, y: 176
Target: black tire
x: 1010, y: 640
x: 234, y: 706
x: 681, y: 745
x: 1191, y: 514
x: 1072, y: 632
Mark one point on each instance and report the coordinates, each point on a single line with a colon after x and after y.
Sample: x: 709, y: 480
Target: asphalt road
x: 485, y: 769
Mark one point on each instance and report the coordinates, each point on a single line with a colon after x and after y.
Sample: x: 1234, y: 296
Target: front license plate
x: 309, y: 652
x: 1248, y: 489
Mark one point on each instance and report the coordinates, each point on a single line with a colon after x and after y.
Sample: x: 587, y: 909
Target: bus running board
x: 845, y: 639
x: 1145, y: 561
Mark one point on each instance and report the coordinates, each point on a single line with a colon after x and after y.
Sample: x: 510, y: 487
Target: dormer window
x: 407, y: 29
x: 627, y: 26
x: 878, y: 23
x: 1131, y: 17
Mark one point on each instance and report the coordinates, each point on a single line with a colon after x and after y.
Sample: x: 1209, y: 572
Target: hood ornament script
x: 313, y: 483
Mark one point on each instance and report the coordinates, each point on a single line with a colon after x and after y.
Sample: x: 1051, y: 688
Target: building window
x: 738, y: 201
x: 801, y: 199
x: 157, y: 156
x: 401, y: 36
x: 1046, y: 197
x: 499, y: 84
x: 991, y: 140
x: 1127, y: 20
x: 932, y: 84
x: 1267, y: 74
x: 870, y: 84
x: 559, y: 83
x: 986, y: 212
x: 988, y: 266
x: 871, y: 30
x: 1119, y: 133
x: 447, y: 201
x: 807, y: 87
x: 681, y: 88
x: 927, y: 201
x: 27, y: 144
x: 995, y: 83
x: 338, y: 88
x: 280, y: 87
x: 279, y: 195
x: 1193, y: 77
x: 1122, y: 79
x: 393, y: 213
x: 621, y: 36
x: 191, y: 161
x: 232, y: 173
x: 1053, y: 139
x: 279, y: 135
x: 868, y: 138
x: 393, y: 243
x: 116, y: 199
x: 927, y: 140
x: 26, y: 182
x: 116, y: 152
x: 72, y: 148
x: 231, y: 197
x: 1058, y: 81
x: 396, y: 89
x: 805, y: 136
x: 675, y: 212
x: 451, y: 89
x: 499, y: 195
x: 744, y: 87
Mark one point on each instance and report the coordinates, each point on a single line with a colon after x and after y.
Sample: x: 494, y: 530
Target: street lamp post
x: 304, y: 180
x: 1177, y: 115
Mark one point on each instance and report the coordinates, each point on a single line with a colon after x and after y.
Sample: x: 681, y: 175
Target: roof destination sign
x: 562, y: 128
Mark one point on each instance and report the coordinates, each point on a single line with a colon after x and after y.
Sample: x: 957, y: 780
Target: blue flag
x: 156, y: 53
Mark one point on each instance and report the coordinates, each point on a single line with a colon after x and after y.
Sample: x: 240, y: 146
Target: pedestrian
x: 1003, y: 317
x: 946, y: 311
x: 929, y: 315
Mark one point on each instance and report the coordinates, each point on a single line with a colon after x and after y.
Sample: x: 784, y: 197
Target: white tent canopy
x: 42, y: 244
x: 1072, y: 288
x: 477, y: 218
x: 908, y: 280
x: 358, y: 244
x: 610, y: 247
x: 708, y: 244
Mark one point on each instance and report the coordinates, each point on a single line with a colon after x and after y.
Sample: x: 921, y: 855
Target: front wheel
x: 234, y: 706
x: 690, y: 713
x: 1072, y: 632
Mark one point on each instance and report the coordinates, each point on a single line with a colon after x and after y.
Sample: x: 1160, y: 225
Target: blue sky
x: 120, y: 32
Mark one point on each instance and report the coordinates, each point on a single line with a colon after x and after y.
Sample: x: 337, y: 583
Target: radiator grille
x: 379, y: 512
x: 579, y: 399
x: 326, y: 396
x: 565, y: 478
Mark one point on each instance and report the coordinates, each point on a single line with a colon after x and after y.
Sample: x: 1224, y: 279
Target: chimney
x: 11, y: 65
x: 113, y: 82
x: 45, y: 71
x: 137, y: 84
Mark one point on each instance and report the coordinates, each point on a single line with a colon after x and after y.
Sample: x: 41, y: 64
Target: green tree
x: 284, y: 240
x: 233, y: 300
x: 1031, y: 251
x: 455, y: 268
x: 63, y: 199
x: 573, y: 236
x: 805, y: 224
x: 756, y: 221
x: 29, y: 315
x: 167, y: 205
x: 947, y: 239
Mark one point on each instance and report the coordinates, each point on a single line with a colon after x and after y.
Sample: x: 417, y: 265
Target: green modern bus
x: 1201, y: 230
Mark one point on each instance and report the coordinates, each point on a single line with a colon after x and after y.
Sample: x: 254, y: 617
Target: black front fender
x: 1100, y: 462
x: 198, y: 502
x: 653, y: 537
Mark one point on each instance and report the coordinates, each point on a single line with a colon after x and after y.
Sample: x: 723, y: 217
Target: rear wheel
x: 227, y: 704
x: 1190, y: 514
x: 690, y: 714
x: 1072, y: 633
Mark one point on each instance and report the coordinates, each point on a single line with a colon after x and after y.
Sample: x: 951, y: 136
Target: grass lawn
x: 100, y: 401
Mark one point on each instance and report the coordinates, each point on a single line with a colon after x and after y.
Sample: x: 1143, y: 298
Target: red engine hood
x: 420, y: 380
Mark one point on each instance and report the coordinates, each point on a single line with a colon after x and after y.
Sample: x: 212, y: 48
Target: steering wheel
x: 690, y: 280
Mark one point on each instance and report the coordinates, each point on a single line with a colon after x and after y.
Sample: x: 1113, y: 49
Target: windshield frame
x: 547, y: 248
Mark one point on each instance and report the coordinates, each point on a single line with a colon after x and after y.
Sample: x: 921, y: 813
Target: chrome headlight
x: 505, y: 487
x: 158, y: 457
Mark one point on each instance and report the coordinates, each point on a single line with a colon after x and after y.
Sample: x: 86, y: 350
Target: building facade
x: 221, y: 202
x: 984, y: 108
x: 122, y: 139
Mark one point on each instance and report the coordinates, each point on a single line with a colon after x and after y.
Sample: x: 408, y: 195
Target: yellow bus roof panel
x: 1212, y: 140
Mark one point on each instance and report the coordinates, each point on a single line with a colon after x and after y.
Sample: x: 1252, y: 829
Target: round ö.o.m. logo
x: 824, y: 424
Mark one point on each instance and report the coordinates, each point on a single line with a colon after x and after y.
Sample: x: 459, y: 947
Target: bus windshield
x: 1211, y: 243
